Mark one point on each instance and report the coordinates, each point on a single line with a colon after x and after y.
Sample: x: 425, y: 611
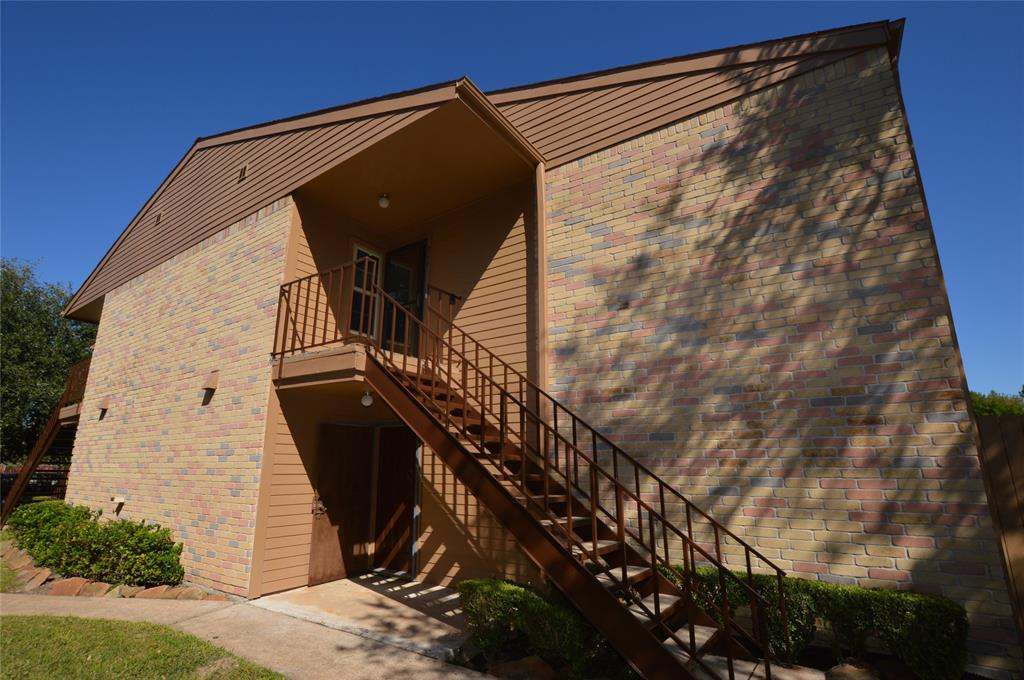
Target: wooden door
x: 396, y: 497
x: 343, y: 487
x: 404, y: 280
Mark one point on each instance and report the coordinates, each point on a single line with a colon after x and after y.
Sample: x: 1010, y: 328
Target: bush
x: 783, y: 643
x: 996, y: 404
x: 504, y: 616
x: 74, y: 542
x: 926, y: 632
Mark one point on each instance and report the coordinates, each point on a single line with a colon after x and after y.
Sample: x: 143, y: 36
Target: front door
x: 404, y: 281
x: 343, y: 488
x: 396, y: 496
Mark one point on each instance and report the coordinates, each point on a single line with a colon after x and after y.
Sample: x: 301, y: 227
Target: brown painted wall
x: 460, y: 539
x: 293, y: 431
x: 482, y: 253
x: 479, y: 252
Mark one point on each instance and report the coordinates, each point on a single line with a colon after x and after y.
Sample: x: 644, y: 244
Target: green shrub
x: 490, y: 608
x: 139, y: 553
x: 74, y: 542
x: 503, y: 616
x: 783, y: 643
x: 43, y: 529
x: 926, y: 632
x: 996, y: 404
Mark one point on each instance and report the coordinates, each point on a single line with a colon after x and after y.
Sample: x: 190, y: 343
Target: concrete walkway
x: 381, y: 606
x: 296, y: 648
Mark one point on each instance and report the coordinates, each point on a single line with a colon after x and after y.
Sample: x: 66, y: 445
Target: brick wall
x: 750, y: 301
x: 190, y: 467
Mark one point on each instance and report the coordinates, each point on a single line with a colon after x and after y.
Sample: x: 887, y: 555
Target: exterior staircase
x: 58, y: 435
x: 601, y: 526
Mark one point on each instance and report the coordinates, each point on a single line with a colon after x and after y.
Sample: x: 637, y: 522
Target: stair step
x: 634, y: 573
x: 604, y: 546
x: 576, y: 522
x: 491, y: 448
x: 701, y: 634
x: 488, y: 438
x: 539, y: 498
x: 667, y: 603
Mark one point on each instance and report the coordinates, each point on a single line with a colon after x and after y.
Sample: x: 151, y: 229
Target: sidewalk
x: 293, y: 647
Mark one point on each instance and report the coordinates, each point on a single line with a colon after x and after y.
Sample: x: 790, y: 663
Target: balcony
x: 326, y: 319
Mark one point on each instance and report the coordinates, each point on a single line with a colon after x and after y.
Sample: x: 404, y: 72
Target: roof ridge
x: 204, y: 141
x: 218, y: 138
x: 578, y: 78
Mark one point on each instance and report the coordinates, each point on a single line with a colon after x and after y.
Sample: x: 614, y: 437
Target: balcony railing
x: 340, y: 306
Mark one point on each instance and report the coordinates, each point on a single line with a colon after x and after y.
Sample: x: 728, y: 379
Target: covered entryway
x: 365, y: 485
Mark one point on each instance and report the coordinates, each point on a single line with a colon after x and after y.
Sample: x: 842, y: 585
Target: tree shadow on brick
x: 774, y: 340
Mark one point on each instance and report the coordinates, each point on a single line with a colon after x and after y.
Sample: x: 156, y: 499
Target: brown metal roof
x: 203, y: 194
x: 571, y: 118
x: 554, y: 121
x: 574, y: 125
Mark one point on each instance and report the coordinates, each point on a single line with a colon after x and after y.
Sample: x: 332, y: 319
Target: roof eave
x: 75, y: 303
x: 489, y: 114
x: 788, y: 47
x: 431, y: 95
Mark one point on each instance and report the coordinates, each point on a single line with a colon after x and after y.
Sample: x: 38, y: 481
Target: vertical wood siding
x: 285, y: 560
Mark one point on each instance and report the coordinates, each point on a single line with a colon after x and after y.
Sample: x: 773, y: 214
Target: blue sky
x: 99, y: 101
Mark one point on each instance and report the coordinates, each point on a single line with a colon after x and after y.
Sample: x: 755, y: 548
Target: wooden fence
x: 1002, y: 461
x: 47, y: 481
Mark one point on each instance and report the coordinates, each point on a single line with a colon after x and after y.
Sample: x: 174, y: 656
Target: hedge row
x: 928, y: 633
x: 72, y: 541
x: 504, y: 616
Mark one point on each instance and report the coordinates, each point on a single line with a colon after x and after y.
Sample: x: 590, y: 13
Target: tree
x: 37, y: 347
x: 996, y: 404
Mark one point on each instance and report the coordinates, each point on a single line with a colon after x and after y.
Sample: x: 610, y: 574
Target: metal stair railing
x: 594, y: 473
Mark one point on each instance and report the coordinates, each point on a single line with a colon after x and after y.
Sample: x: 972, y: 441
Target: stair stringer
x: 642, y: 650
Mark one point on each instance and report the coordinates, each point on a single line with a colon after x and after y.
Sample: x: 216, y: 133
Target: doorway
x: 365, y: 495
x: 405, y: 281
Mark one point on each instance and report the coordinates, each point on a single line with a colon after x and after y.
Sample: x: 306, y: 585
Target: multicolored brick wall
x: 187, y: 465
x: 750, y: 302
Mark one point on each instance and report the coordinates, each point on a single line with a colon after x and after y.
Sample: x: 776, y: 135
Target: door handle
x: 318, y: 505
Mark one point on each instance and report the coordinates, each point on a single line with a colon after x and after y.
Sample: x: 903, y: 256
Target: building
x: 327, y: 343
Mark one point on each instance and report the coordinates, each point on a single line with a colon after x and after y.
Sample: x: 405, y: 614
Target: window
x: 364, y: 316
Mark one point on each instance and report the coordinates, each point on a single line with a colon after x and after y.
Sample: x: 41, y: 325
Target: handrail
x: 636, y: 498
x: 621, y: 452
x: 499, y: 393
x: 757, y: 601
x: 444, y: 291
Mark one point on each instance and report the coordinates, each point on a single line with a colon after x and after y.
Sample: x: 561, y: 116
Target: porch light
x: 367, y: 400
x: 383, y: 201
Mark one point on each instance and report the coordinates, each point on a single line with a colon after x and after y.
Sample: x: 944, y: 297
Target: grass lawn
x: 46, y: 647
x: 8, y: 578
